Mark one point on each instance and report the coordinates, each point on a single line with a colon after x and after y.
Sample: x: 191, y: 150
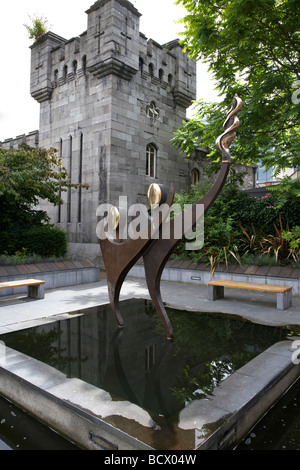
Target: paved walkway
x: 19, y: 313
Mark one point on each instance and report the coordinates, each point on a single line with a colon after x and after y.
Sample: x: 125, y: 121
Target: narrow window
x: 161, y: 74
x: 84, y: 64
x: 70, y: 175
x: 195, y: 176
x: 75, y: 67
x: 170, y: 79
x: 151, y: 70
x: 80, y: 177
x: 141, y: 65
x: 60, y: 156
x: 65, y: 72
x: 151, y: 154
x: 55, y: 77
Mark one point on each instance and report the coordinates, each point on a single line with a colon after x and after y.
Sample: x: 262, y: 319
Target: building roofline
x: 124, y: 3
x: 49, y: 35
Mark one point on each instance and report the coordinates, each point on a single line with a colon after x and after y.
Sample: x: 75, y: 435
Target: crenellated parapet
x: 31, y: 139
x: 112, y: 39
x: 41, y: 66
x: 111, y: 45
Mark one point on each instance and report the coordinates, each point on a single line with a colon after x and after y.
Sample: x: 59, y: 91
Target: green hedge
x: 45, y: 241
x: 7, y: 243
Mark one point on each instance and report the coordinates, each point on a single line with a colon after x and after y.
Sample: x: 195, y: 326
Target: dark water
x: 19, y: 431
x: 137, y: 363
x: 279, y: 429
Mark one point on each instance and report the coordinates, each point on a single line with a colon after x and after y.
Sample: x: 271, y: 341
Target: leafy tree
x: 252, y: 48
x: 26, y: 176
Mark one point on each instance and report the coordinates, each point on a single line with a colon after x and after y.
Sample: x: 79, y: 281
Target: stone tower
x: 109, y: 102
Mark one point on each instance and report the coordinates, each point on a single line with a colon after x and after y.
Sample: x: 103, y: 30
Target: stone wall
x: 200, y: 273
x: 104, y: 97
x: 55, y: 274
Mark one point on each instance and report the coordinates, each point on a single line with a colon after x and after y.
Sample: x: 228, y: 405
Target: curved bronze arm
x: 119, y: 257
x: 231, y: 125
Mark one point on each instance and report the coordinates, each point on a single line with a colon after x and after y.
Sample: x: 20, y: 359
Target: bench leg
x: 284, y: 300
x: 37, y: 292
x: 215, y: 292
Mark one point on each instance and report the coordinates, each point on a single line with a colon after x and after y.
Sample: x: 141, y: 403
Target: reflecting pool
x: 137, y: 363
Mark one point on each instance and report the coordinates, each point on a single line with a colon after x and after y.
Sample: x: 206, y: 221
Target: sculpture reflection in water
x: 120, y: 255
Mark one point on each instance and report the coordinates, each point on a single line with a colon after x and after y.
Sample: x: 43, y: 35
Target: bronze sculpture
x: 119, y: 256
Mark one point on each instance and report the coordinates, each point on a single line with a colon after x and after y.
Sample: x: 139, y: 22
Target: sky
x: 19, y: 112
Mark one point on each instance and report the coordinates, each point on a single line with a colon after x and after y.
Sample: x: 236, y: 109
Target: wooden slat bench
x: 36, y: 288
x: 284, y: 293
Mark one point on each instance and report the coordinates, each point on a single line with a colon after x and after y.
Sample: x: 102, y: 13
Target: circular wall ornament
x: 152, y: 111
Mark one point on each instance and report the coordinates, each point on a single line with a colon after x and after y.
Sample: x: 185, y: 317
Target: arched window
x: 151, y: 70
x: 84, y: 64
x: 65, y: 75
x: 69, y: 202
x: 161, y: 74
x: 80, y: 178
x: 55, y: 77
x: 60, y: 156
x: 141, y: 65
x: 74, y: 66
x: 151, y: 154
x: 195, y: 176
x: 170, y: 79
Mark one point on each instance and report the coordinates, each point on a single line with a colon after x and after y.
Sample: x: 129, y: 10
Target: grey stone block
x: 284, y: 300
x: 36, y: 292
x: 215, y: 292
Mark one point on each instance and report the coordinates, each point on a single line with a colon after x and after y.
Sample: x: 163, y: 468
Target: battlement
x: 32, y: 139
x: 111, y: 45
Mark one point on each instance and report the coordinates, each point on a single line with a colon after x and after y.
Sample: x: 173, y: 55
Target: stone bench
x: 36, y: 288
x: 284, y: 293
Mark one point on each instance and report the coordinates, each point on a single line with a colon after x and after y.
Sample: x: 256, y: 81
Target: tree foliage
x: 252, y: 48
x: 28, y: 175
x: 238, y: 224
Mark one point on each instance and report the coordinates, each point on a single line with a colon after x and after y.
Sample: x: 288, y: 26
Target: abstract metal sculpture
x: 119, y: 256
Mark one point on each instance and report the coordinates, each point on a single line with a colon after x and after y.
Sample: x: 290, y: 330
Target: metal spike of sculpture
x: 119, y: 256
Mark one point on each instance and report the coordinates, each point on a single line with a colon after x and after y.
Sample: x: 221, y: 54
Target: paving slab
x: 259, y: 307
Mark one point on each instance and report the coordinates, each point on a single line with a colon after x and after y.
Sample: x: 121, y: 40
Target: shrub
x: 7, y: 243
x: 293, y: 238
x: 240, y: 224
x: 37, y: 29
x: 45, y: 241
